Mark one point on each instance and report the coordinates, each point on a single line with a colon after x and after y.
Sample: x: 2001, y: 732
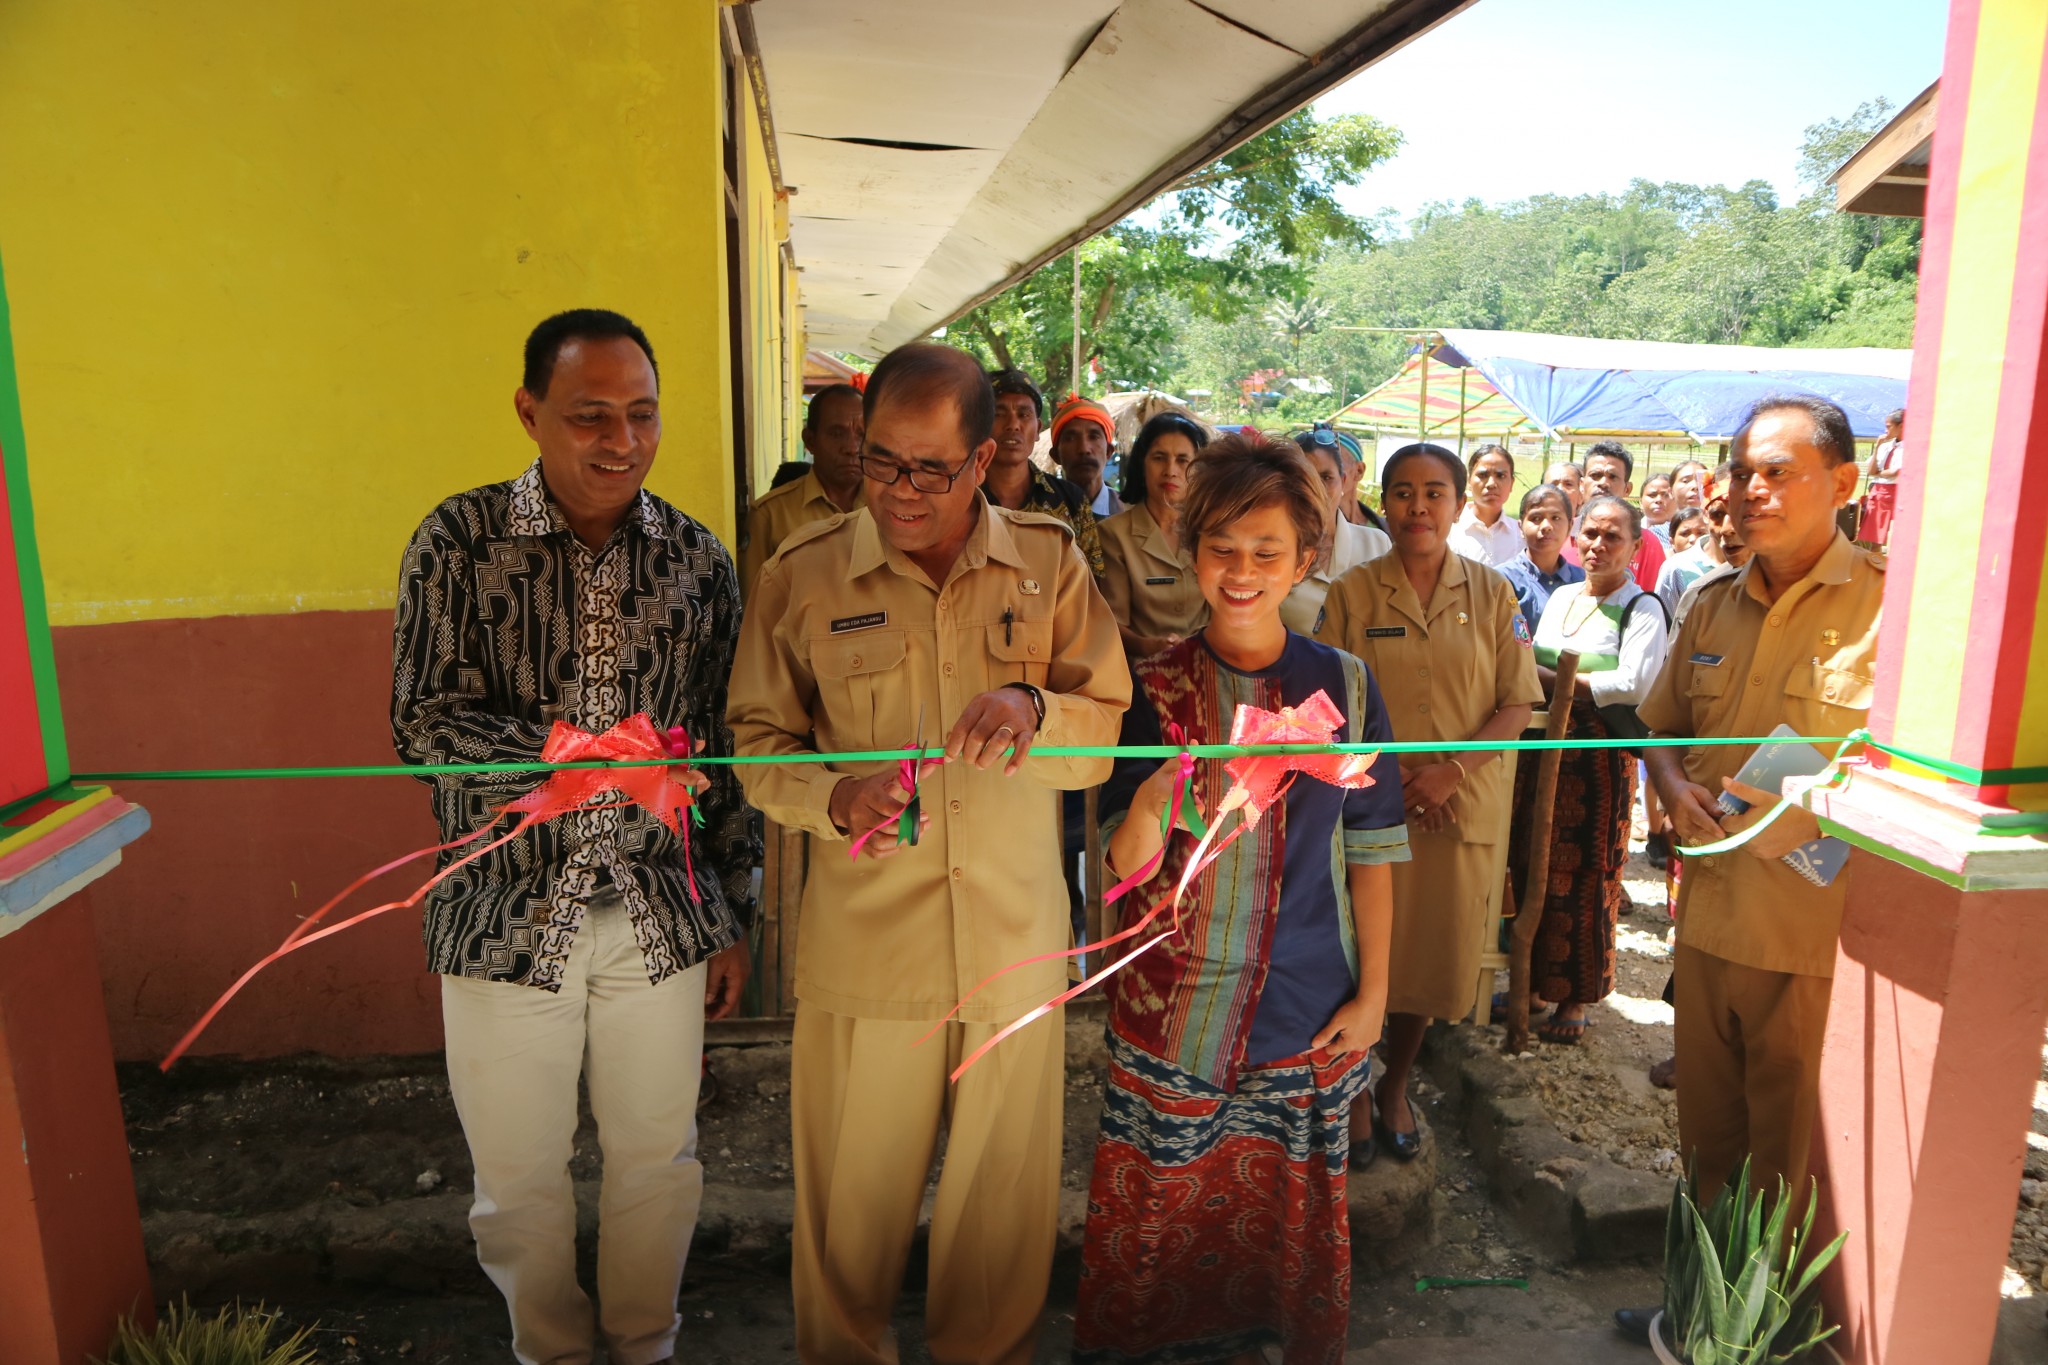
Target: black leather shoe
x: 1364, y: 1151
x: 1405, y: 1146
x: 1634, y: 1323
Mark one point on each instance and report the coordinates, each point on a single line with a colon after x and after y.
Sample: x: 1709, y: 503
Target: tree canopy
x: 1252, y: 264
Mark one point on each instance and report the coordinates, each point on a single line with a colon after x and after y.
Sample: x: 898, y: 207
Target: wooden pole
x: 1536, y: 884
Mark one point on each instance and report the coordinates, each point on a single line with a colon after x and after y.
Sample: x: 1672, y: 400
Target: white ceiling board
x: 962, y: 73
x: 1307, y: 26
x: 1010, y: 130
x: 1107, y: 127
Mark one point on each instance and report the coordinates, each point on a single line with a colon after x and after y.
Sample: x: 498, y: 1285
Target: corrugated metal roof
x: 940, y: 152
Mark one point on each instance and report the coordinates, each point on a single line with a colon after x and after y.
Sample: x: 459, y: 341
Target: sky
x: 1519, y: 97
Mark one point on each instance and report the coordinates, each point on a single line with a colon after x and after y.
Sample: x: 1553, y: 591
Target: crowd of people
x: 923, y: 583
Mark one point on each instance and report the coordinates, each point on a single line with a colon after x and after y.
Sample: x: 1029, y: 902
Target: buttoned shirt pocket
x: 1824, y: 700
x: 1019, y: 651
x: 857, y: 678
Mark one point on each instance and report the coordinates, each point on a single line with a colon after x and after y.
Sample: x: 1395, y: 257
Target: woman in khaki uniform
x: 1442, y: 636
x: 1147, y: 578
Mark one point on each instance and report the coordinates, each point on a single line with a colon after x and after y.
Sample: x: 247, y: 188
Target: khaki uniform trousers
x: 866, y: 1107
x: 1749, y: 1045
x: 514, y: 1053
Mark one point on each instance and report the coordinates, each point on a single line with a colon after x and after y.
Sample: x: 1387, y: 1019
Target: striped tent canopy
x: 1399, y: 407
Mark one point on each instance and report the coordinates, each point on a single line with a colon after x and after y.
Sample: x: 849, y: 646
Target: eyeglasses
x: 923, y: 480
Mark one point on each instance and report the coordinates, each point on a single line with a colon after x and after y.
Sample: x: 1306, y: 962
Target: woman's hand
x: 1424, y: 791
x: 1155, y: 793
x: 1355, y: 1026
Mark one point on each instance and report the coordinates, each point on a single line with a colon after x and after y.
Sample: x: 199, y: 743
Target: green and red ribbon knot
x: 1257, y: 781
x: 657, y: 786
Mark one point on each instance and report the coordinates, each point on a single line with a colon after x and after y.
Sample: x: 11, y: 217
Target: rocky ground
x: 338, y: 1191
x: 1598, y: 1093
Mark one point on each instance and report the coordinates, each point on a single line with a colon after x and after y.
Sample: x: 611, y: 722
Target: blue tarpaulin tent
x: 1585, y: 386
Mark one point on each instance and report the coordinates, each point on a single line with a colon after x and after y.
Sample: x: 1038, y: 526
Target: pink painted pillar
x: 1934, y: 1036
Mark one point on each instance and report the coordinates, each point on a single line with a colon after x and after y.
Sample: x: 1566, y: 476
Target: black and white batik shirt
x: 506, y: 623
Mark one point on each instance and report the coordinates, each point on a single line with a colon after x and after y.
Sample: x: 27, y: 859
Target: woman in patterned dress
x: 1216, y: 1215
x: 1621, y: 634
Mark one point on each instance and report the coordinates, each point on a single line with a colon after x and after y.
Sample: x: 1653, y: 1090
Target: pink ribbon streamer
x: 1258, y: 780
x: 657, y: 789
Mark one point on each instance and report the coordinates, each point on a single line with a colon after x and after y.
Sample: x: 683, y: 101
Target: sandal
x: 1565, y: 1032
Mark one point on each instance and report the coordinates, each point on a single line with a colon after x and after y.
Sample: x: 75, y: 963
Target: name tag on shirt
x: 1385, y: 632
x: 846, y: 623
x: 1160, y: 582
x: 1707, y: 660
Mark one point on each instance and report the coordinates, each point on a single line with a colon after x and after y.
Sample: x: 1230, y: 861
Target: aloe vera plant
x: 234, y: 1336
x: 1739, y: 1289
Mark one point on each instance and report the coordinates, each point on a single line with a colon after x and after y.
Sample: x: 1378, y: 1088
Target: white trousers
x: 514, y: 1054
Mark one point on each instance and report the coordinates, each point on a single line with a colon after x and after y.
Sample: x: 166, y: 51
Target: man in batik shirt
x: 571, y: 594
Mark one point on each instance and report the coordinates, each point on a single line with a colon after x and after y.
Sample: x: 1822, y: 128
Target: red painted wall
x: 229, y: 866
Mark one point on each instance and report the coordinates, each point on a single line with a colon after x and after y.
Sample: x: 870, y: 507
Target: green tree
x: 1239, y: 231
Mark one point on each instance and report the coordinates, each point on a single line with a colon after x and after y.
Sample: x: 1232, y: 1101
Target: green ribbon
x: 2015, y: 823
x: 879, y: 755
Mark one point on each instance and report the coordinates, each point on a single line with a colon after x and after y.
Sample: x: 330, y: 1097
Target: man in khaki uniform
x: 1790, y: 637
x: 932, y: 608
x: 832, y: 435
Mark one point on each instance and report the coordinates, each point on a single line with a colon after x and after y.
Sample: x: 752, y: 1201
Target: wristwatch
x: 1037, y: 699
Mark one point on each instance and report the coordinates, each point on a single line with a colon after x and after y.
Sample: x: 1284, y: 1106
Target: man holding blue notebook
x: 1790, y: 638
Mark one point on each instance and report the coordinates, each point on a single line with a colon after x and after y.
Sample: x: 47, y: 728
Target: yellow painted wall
x: 271, y: 266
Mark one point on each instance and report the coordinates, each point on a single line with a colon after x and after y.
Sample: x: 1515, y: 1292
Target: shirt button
x: 1421, y: 672
x: 958, y: 874
x: 1756, y: 680
x: 955, y: 808
x: 1423, y: 707
x: 947, y: 670
x: 1034, y: 649
x: 1777, y: 620
x: 856, y: 661
x: 942, y: 604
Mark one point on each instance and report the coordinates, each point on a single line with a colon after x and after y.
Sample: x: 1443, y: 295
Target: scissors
x: 908, y: 821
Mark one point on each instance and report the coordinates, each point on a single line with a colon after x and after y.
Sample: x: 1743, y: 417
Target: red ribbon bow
x: 660, y: 790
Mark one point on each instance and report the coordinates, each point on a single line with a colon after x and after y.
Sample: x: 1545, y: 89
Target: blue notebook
x: 1820, y: 861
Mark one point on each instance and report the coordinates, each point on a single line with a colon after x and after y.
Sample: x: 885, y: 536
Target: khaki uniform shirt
x: 780, y: 513
x: 1354, y: 545
x: 1149, y: 581
x: 1443, y: 669
x: 845, y: 643
x: 1741, y: 665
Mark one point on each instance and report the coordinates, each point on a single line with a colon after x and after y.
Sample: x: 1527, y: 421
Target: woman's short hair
x: 1245, y: 471
x: 1424, y: 450
x: 1535, y: 497
x: 1686, y: 514
x: 1490, y: 448
x: 1159, y: 424
x: 1629, y: 511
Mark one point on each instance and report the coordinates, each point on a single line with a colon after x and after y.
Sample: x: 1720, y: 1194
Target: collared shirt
x: 1053, y: 496
x: 1618, y: 664
x: 780, y: 512
x: 1444, y: 668
x: 1106, y: 504
x: 1741, y: 665
x: 1533, y: 587
x: 1681, y: 571
x: 1149, y: 581
x: 848, y: 646
x: 1353, y: 546
x: 506, y: 623
x: 1493, y: 545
